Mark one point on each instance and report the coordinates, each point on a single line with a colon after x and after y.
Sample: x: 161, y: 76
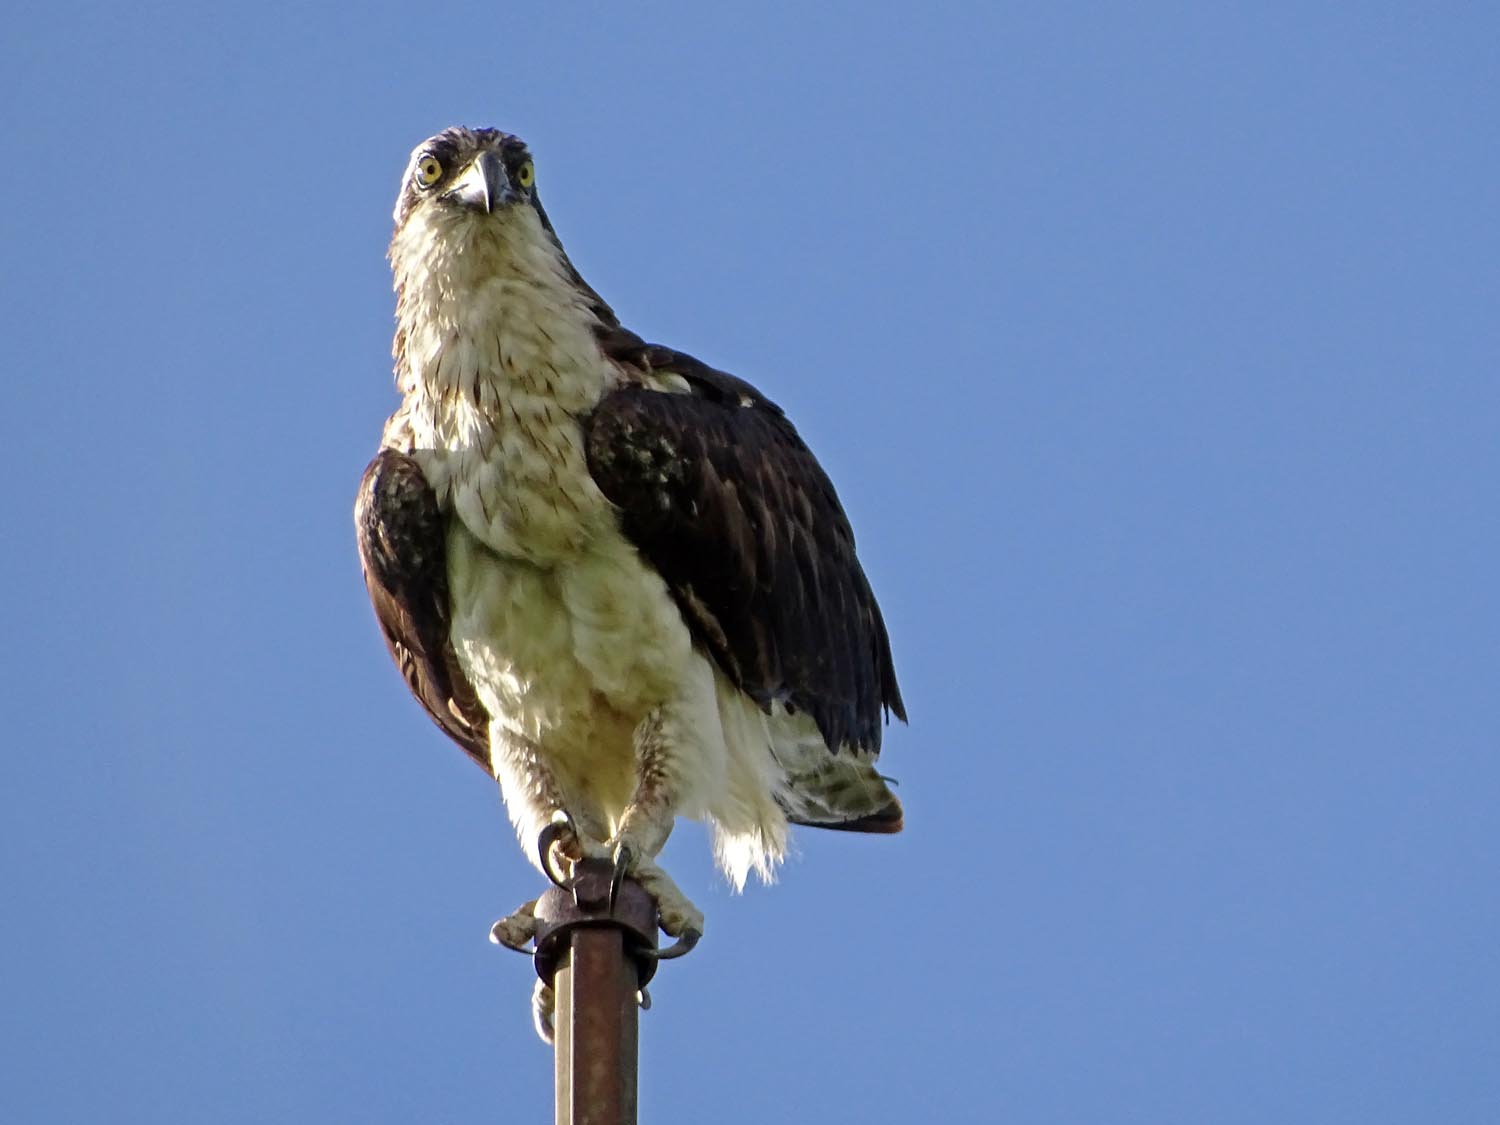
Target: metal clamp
x: 594, y: 899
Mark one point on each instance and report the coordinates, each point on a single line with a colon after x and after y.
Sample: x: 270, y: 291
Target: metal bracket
x: 593, y: 899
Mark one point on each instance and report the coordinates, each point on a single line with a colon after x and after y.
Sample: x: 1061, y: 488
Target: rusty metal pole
x: 596, y: 946
x: 595, y: 1061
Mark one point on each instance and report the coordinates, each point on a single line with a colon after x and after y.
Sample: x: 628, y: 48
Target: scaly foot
x: 544, y: 1011
x: 517, y: 928
x: 678, y: 916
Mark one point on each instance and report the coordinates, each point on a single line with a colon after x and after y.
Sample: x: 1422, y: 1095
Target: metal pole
x: 596, y: 1057
x: 596, y: 946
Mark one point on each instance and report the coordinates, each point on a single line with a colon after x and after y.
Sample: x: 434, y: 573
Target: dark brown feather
x: 721, y: 496
x: 887, y: 822
x: 403, y: 551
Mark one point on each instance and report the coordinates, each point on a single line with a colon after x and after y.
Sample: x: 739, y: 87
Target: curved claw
x: 554, y: 832
x: 679, y: 948
x: 624, y: 861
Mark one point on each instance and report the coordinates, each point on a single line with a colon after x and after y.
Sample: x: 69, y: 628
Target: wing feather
x: 721, y: 495
x: 403, y: 552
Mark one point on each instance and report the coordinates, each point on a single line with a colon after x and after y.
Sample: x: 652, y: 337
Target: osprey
x: 615, y: 576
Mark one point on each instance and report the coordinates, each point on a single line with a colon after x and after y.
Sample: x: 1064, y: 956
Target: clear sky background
x: 1154, y: 351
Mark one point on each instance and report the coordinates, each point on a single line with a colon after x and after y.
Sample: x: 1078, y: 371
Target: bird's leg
x: 647, y: 820
x: 537, y: 809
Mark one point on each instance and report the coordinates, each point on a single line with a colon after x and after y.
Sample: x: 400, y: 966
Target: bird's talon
x: 516, y: 929
x: 681, y: 947
x: 624, y: 863
x: 544, y: 1011
x: 558, y: 836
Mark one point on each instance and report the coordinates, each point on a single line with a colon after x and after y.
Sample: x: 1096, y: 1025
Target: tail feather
x: 840, y: 791
x: 888, y: 821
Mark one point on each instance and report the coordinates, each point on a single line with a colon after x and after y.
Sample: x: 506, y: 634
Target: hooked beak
x: 483, y: 186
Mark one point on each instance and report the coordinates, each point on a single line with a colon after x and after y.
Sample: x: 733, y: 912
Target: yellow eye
x: 429, y: 171
x: 526, y: 174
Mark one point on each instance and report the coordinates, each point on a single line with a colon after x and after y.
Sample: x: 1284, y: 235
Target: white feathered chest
x: 567, y: 636
x: 501, y: 363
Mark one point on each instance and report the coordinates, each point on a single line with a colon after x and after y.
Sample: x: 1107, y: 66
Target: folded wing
x: 403, y: 551
x: 720, y: 494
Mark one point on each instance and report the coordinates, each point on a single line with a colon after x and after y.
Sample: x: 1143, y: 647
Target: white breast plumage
x: 500, y: 366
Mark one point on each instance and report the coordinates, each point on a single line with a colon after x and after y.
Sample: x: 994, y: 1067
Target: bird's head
x: 467, y: 210
x: 465, y: 176
x: 467, y: 215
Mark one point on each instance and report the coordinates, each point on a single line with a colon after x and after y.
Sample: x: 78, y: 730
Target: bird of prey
x: 615, y: 576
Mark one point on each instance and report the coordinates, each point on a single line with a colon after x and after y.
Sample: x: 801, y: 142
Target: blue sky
x: 1154, y: 352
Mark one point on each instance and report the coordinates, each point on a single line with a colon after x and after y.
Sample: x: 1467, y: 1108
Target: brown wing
x: 403, y: 551
x: 719, y: 493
